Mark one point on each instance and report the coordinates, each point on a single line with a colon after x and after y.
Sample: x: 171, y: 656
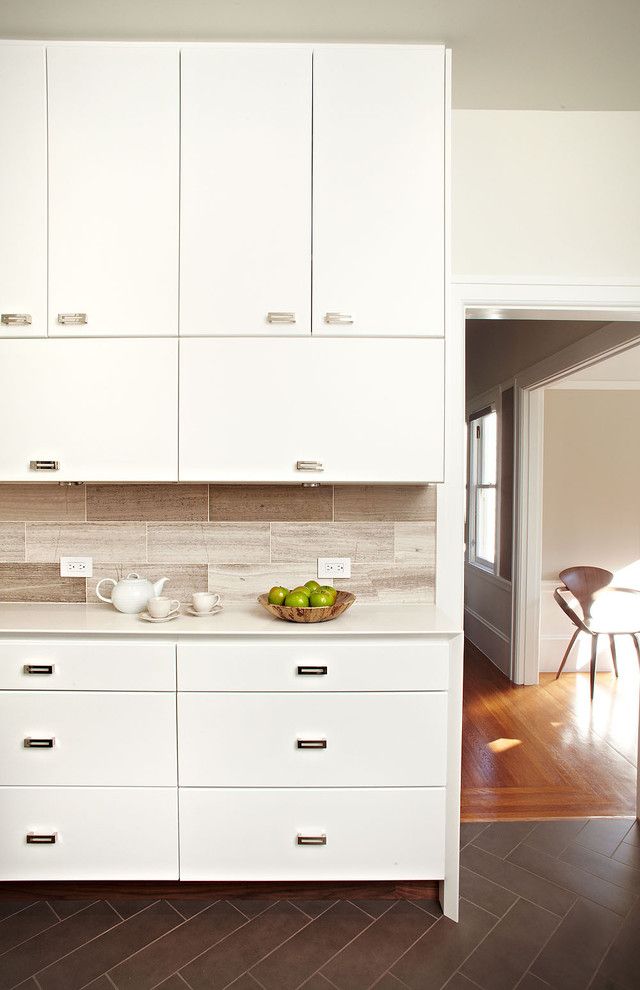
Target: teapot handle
x: 105, y: 581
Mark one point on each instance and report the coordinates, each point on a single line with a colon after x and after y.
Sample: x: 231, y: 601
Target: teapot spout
x: 159, y: 585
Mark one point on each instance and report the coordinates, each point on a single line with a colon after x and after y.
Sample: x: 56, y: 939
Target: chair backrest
x: 584, y: 582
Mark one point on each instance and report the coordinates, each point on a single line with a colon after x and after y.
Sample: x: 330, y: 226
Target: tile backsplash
x: 234, y: 539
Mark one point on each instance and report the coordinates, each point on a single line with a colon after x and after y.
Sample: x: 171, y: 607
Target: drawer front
x: 312, y: 663
x: 83, y: 665
x: 326, y: 740
x: 88, y: 833
x: 82, y: 738
x: 369, y: 834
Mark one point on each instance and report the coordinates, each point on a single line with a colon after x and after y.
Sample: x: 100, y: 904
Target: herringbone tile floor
x: 549, y: 904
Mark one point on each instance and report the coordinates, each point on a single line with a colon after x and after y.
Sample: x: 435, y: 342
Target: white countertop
x: 234, y: 620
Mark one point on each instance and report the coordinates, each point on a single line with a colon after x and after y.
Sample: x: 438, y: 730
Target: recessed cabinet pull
x: 72, y: 319
x: 39, y: 668
x: 281, y: 317
x: 338, y: 319
x: 311, y: 743
x: 31, y: 743
x: 16, y: 319
x: 34, y: 839
x: 309, y: 466
x: 44, y: 465
x: 312, y: 671
x: 311, y: 840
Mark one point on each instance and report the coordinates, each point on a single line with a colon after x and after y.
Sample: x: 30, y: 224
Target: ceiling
x: 508, y: 54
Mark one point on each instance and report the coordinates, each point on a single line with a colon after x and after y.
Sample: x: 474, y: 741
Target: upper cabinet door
x: 378, y: 190
x: 245, y: 258
x: 113, y: 189
x: 23, y: 192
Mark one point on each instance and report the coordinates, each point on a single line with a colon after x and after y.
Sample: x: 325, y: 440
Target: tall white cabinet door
x: 23, y: 191
x: 368, y: 410
x: 102, y: 410
x: 113, y: 189
x: 378, y: 190
x: 245, y: 257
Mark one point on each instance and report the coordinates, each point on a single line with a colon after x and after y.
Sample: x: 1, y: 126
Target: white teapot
x: 132, y: 593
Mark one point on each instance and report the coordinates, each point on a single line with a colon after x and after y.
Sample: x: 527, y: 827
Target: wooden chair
x: 584, y: 583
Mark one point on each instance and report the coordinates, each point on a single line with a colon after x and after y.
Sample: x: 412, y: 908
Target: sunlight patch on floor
x: 502, y: 745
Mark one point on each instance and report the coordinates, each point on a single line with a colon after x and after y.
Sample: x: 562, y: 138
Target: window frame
x: 474, y: 458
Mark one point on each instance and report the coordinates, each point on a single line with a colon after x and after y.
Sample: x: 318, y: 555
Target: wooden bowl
x: 288, y: 613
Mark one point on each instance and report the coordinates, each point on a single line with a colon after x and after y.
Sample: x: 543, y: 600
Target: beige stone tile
x: 147, y: 503
x: 244, y: 582
x: 271, y: 503
x: 47, y: 542
x: 11, y: 541
x: 295, y: 542
x: 398, y: 583
x: 208, y: 543
x: 415, y: 543
x: 385, y: 502
x: 38, y: 583
x: 183, y: 580
x: 44, y: 502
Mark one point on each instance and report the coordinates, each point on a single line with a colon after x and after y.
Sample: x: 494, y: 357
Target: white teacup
x: 204, y: 601
x: 162, y: 608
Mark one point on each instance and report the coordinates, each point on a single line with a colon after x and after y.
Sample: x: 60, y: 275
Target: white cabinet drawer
x: 100, y: 833
x: 78, y: 738
x: 275, y: 740
x: 371, y: 834
x: 63, y: 665
x: 309, y: 663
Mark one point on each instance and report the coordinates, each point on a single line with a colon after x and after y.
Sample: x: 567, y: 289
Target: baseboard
x: 489, y: 640
x: 552, y: 651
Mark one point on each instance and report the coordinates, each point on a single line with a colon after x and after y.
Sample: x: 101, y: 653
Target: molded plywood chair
x: 585, y: 583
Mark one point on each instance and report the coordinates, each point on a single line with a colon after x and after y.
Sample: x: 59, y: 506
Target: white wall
x: 546, y: 194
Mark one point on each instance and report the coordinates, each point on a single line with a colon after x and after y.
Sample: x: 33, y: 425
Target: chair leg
x: 612, y: 643
x: 592, y: 670
x: 567, y: 652
x: 634, y: 637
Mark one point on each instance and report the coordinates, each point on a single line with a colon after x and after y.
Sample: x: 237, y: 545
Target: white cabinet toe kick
x: 243, y: 759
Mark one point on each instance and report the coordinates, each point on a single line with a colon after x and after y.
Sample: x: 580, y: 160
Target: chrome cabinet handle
x: 281, y: 317
x: 31, y: 743
x: 39, y: 668
x: 72, y: 319
x: 33, y: 839
x: 338, y: 319
x: 44, y: 465
x: 311, y: 743
x: 16, y: 319
x: 311, y: 840
x: 309, y: 466
x: 312, y: 671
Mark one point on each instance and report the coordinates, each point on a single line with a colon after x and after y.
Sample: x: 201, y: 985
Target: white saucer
x: 216, y: 608
x: 151, y: 618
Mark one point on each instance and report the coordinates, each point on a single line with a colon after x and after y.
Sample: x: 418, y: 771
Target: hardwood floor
x: 546, y: 751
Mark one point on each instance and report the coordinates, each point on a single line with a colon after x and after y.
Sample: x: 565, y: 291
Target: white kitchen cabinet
x: 309, y: 409
x: 101, y: 410
x: 23, y: 191
x: 245, y: 229
x: 378, y: 190
x: 113, y: 189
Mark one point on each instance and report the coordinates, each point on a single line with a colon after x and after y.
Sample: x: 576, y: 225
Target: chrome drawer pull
x: 16, y: 319
x: 39, y: 668
x: 309, y: 466
x: 31, y: 743
x: 338, y: 319
x: 312, y: 671
x: 312, y: 743
x: 311, y: 840
x: 72, y: 319
x: 44, y: 465
x: 33, y: 839
x: 281, y: 317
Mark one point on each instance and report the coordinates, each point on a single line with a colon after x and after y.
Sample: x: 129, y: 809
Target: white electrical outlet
x: 334, y: 567
x: 76, y: 567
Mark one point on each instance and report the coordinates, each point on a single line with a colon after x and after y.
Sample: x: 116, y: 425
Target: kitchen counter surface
x: 234, y: 620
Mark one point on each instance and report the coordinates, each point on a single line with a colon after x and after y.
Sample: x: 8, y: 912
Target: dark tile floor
x: 549, y: 904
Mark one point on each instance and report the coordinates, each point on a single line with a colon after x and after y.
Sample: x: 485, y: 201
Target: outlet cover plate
x: 334, y: 567
x: 76, y: 567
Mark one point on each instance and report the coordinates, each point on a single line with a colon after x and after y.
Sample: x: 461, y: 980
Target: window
x: 483, y: 449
